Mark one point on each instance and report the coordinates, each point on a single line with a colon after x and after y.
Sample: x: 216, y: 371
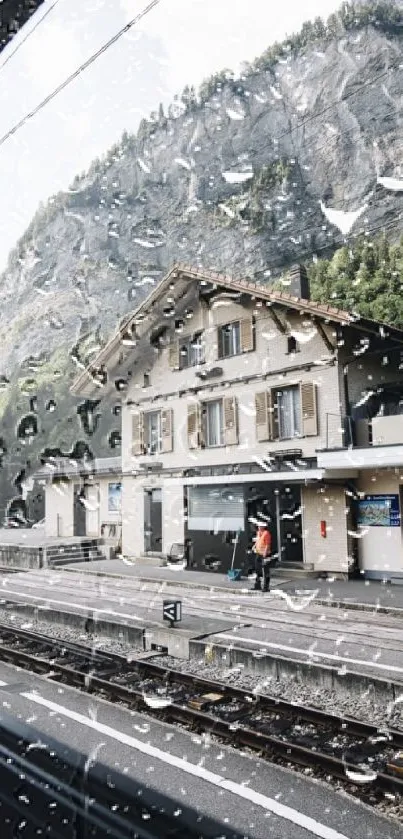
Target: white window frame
x: 210, y: 408
x: 234, y: 339
x: 294, y: 418
x: 153, y: 437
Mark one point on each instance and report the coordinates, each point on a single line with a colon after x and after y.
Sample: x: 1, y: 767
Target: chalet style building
x: 238, y: 403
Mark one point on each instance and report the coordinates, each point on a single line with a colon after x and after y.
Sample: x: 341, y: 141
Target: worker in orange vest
x: 262, y: 551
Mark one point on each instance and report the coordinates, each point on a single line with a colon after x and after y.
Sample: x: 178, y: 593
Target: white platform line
x: 43, y: 602
x: 269, y: 804
x: 311, y: 654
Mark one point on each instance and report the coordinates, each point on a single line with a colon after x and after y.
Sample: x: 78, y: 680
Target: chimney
x: 298, y: 282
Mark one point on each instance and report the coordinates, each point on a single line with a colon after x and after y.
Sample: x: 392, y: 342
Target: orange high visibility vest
x: 263, y: 543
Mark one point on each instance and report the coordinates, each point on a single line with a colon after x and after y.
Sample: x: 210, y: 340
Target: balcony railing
x: 344, y: 432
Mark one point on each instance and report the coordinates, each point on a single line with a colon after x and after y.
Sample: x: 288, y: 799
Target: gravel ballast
x: 364, y: 707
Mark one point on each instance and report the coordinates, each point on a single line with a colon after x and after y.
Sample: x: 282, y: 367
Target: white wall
x: 329, y: 504
x: 59, y: 505
x: 59, y: 501
x: 171, y: 388
x: 173, y: 520
x: 380, y: 548
x: 92, y: 510
x: 132, y: 517
x: 173, y: 523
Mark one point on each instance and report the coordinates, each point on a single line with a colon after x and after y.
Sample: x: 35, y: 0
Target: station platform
x: 287, y: 632
x: 353, y: 594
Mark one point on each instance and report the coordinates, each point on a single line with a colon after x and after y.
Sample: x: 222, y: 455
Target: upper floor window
x: 214, y: 423
x: 152, y: 432
x: 289, y: 412
x: 292, y: 345
x: 191, y: 351
x: 229, y: 339
x: 236, y: 337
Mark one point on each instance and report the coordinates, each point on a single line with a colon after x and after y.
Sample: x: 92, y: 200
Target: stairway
x: 67, y: 553
x: 293, y: 571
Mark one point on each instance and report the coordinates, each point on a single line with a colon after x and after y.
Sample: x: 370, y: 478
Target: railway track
x: 366, y: 760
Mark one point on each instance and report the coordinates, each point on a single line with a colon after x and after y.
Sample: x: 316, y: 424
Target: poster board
x: 379, y: 511
x: 115, y: 497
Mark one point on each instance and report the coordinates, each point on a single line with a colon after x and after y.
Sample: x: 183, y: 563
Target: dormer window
x: 229, y: 339
x: 292, y: 345
x: 236, y: 337
x: 191, y: 351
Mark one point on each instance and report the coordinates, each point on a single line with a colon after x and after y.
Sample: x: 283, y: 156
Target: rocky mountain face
x: 251, y: 175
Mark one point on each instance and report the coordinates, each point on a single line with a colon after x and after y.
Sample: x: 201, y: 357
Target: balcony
x: 362, y: 443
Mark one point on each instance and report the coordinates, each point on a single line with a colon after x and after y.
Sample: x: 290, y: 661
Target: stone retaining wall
x: 21, y: 556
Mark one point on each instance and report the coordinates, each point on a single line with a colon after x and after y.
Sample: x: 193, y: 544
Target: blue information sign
x: 379, y: 511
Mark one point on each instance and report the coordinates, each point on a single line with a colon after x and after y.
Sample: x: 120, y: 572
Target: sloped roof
x: 258, y: 291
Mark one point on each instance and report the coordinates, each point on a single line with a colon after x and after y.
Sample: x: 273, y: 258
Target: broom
x: 234, y: 573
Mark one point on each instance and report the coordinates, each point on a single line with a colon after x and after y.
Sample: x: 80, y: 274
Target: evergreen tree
x: 367, y: 278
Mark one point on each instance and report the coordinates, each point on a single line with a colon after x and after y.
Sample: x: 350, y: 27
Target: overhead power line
x: 28, y: 35
x: 79, y: 70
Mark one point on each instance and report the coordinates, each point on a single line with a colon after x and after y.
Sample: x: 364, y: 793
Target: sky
x: 179, y: 42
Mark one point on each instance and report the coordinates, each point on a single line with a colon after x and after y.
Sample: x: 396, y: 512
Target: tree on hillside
x: 366, y: 278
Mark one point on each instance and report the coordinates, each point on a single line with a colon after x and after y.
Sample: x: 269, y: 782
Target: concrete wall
x: 329, y: 504
x: 19, y: 556
x: 59, y: 502
x: 380, y: 548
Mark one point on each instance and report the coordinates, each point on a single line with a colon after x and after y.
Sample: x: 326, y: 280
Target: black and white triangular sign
x: 172, y: 610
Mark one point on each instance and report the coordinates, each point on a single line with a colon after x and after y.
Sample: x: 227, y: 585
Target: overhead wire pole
x: 79, y: 70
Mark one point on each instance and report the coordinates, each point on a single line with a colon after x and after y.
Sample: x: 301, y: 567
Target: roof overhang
x: 301, y: 476
x: 167, y: 302
x: 368, y: 457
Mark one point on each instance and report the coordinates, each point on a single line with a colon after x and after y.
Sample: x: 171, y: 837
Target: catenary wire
x: 28, y: 35
x: 78, y: 71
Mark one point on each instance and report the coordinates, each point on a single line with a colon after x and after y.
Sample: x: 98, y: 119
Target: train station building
x: 240, y: 404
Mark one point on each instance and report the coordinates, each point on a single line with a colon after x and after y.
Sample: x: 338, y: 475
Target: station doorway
x: 153, y: 520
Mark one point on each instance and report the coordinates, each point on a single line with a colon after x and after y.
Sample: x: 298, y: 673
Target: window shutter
x: 218, y: 343
x: 174, y: 355
x: 263, y: 418
x: 230, y: 421
x: 167, y: 430
x: 137, y: 434
x: 194, y: 426
x: 309, y: 416
x: 246, y: 334
x: 273, y: 413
